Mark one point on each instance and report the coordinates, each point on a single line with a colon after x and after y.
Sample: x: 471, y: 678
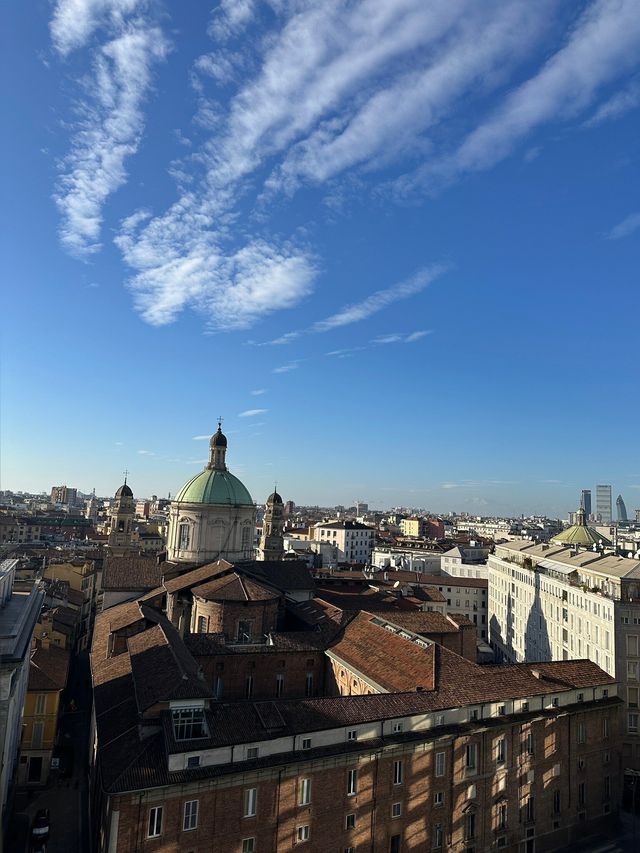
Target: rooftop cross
x: 126, y: 474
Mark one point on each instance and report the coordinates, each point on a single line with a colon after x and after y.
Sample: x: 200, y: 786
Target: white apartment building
x: 559, y: 602
x: 408, y: 557
x: 466, y: 561
x: 353, y: 540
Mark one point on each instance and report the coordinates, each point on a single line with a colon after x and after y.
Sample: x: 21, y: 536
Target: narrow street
x: 66, y: 798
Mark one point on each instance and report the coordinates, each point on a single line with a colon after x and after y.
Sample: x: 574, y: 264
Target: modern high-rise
x: 585, y: 502
x: 621, y: 509
x: 603, y: 503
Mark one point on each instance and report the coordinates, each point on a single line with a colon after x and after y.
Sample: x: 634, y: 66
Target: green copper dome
x: 580, y: 534
x: 213, y: 486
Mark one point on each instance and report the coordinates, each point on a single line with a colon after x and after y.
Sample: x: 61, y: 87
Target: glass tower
x: 603, y: 503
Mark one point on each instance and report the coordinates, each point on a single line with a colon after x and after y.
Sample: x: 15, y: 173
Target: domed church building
x: 213, y: 516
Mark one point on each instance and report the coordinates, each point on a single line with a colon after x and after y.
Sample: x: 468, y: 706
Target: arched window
x: 183, y: 537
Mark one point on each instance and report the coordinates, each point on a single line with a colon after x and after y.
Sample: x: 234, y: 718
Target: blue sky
x: 393, y: 243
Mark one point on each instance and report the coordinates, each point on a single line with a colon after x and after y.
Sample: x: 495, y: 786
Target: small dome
x: 274, y: 498
x: 218, y: 439
x: 124, y: 492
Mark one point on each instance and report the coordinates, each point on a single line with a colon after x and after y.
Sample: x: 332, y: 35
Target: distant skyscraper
x: 603, y: 503
x: 621, y: 509
x: 585, y: 502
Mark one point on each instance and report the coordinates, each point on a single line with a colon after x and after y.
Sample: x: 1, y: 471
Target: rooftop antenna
x: 126, y: 474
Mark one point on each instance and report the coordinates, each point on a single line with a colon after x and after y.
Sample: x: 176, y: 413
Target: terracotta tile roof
x: 285, y: 575
x: 203, y: 645
x: 425, y: 623
x: 394, y: 663
x: 162, y: 668
x: 131, y: 573
x: 48, y: 668
x: 233, y: 587
x: 197, y: 576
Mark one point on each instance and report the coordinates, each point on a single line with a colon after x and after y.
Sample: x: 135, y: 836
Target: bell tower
x: 272, y: 539
x: 122, y: 515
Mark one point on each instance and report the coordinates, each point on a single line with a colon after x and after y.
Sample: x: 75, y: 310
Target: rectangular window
x: 279, y: 684
x: 501, y: 751
x: 470, y: 756
x: 502, y: 816
x: 302, y: 834
x: 352, y: 782
x: 395, y: 844
x: 352, y: 734
x: 304, y: 792
x: 248, y: 687
x: 189, y: 724
x: 556, y: 802
x: 248, y: 845
x: 193, y: 761
x: 530, y: 809
x: 605, y: 727
x: 396, y: 810
x: 440, y: 763
x: 438, y: 798
x: 203, y: 624
x: 41, y: 703
x: 396, y: 727
x: 154, y: 827
x: 306, y: 743
x: 582, y: 733
x: 632, y: 722
x: 437, y: 836
x: 581, y: 793
x: 250, y: 802
x: 252, y: 752
x: 308, y: 684
x: 190, y: 816
x: 470, y: 825
x: 37, y: 733
x: 398, y: 771
x: 350, y: 821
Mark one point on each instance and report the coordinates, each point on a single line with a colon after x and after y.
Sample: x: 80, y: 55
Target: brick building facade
x: 443, y: 754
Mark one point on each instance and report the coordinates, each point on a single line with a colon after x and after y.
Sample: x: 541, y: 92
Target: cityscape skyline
x: 410, y: 299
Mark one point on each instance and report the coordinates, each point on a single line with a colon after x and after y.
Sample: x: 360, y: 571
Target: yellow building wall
x: 39, y: 707
x: 410, y: 526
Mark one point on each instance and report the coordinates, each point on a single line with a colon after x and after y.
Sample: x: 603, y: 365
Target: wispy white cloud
x: 251, y: 413
x: 259, y: 392
x: 146, y: 453
x: 109, y: 133
x: 601, y: 46
x: 230, y: 17
x: 628, y: 225
x: 201, y: 438
x: 380, y: 299
x: 617, y: 105
x: 402, y: 338
x: 327, y: 91
x: 287, y: 368
x: 74, y: 21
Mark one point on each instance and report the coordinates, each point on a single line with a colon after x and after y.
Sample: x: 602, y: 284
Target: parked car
x: 40, y: 827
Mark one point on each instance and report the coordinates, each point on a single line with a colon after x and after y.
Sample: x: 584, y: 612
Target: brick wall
x: 403, y: 789
x: 264, y: 667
